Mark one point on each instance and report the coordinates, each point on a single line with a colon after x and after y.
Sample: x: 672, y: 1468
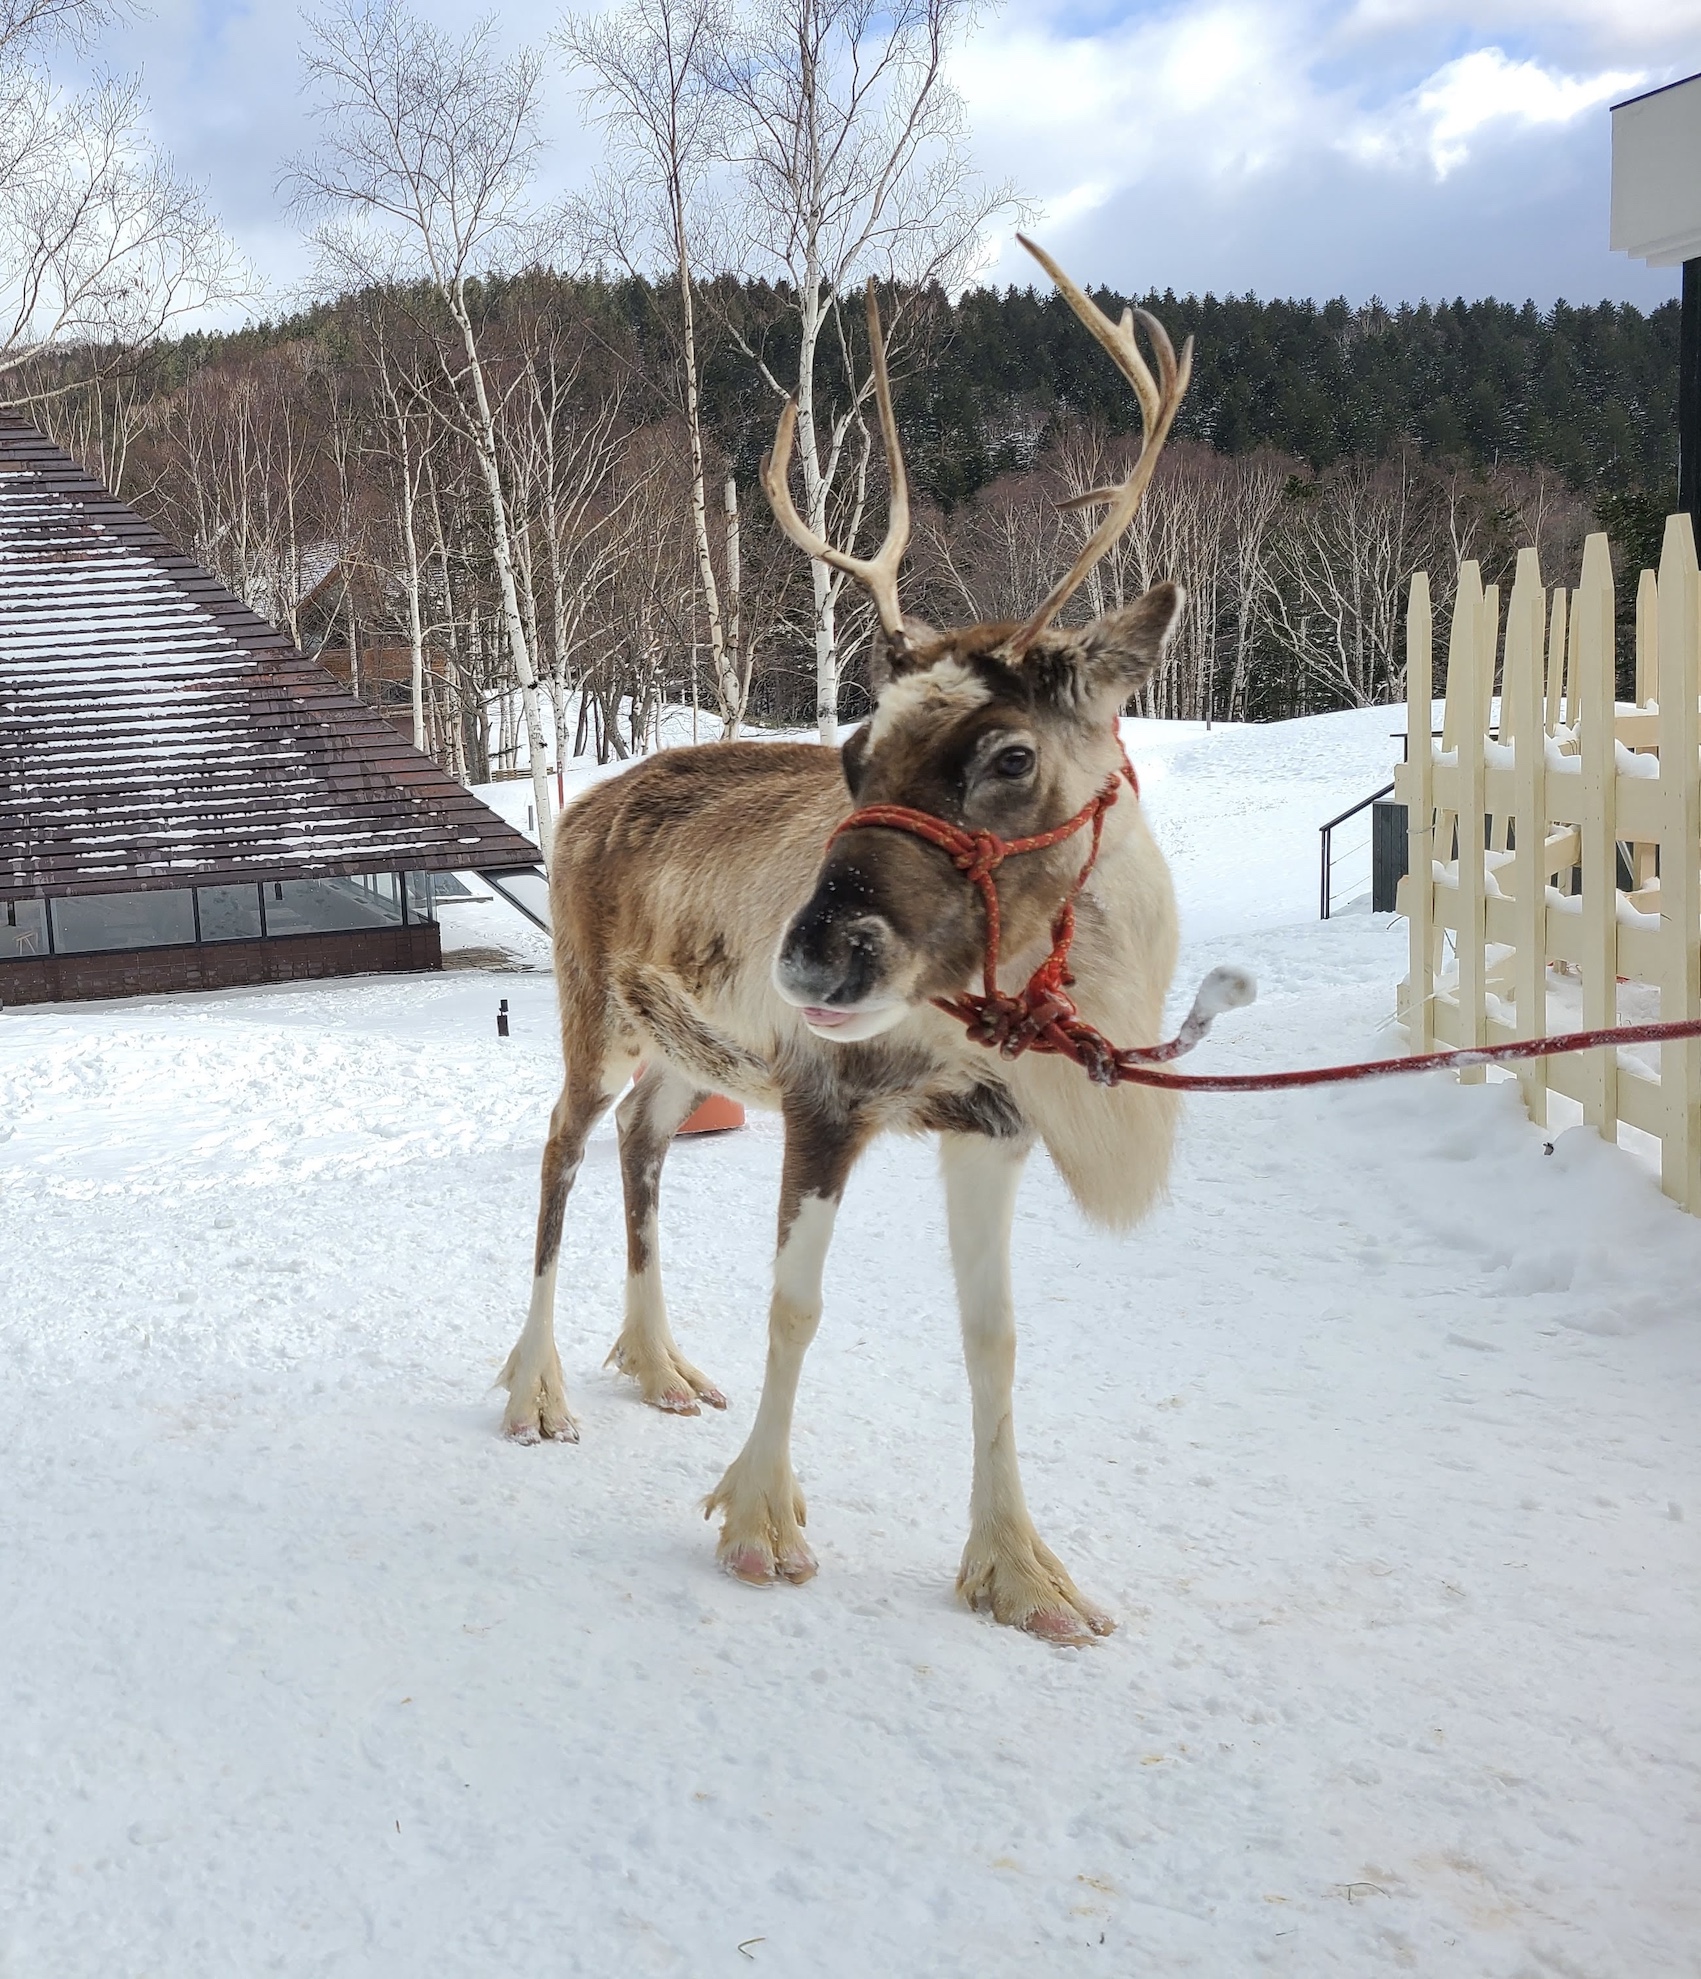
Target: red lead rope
x: 1132, y: 1073
x: 1043, y: 1017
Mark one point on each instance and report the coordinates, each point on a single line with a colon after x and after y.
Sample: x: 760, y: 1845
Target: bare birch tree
x: 231, y: 466
x: 851, y: 155
x: 101, y: 242
x: 425, y: 166
x: 1259, y: 483
x: 665, y: 125
x: 567, y: 459
x: 1335, y: 600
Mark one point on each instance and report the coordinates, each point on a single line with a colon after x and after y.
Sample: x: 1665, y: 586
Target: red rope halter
x: 1043, y: 1017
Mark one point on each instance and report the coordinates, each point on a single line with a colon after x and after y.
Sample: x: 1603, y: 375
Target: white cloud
x: 1105, y: 106
x: 1467, y: 98
x: 1067, y: 206
x: 1157, y: 136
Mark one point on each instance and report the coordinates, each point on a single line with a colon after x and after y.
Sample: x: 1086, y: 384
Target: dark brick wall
x: 219, y: 965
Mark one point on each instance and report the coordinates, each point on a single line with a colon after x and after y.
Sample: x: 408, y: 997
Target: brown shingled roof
x: 154, y: 732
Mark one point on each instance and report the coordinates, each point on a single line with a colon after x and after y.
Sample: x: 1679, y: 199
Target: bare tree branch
x: 102, y: 244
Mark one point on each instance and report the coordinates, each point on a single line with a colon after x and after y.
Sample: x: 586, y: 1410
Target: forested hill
x: 1590, y: 391
x: 1322, y: 456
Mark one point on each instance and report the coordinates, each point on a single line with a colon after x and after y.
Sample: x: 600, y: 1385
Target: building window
x: 421, y: 896
x: 229, y: 913
x: 23, y: 928
x: 89, y: 921
x: 303, y: 907
x: 83, y: 924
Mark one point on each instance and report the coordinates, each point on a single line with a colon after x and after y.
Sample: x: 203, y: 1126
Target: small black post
x: 502, y: 1018
x: 1389, y: 855
x: 1689, y: 395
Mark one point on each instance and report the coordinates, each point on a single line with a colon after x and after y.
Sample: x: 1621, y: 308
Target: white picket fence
x: 1574, y: 779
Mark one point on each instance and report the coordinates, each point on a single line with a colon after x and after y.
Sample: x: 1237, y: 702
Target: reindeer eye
x: 1013, y: 763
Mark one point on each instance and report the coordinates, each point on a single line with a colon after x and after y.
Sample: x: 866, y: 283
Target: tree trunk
x: 559, y: 634
x: 730, y: 724
x: 410, y: 547
x: 485, y: 448
x: 810, y: 317
x: 826, y: 654
x: 725, y: 662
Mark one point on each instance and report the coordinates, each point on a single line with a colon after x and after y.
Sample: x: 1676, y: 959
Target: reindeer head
x: 1003, y: 728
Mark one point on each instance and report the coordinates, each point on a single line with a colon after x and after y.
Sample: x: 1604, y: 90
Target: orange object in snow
x: 717, y: 1115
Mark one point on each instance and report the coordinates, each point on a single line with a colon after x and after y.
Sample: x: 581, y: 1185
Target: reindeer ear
x: 853, y: 758
x: 1121, y: 651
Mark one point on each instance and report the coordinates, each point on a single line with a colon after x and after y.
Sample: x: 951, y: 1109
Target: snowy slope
x: 1380, y: 1438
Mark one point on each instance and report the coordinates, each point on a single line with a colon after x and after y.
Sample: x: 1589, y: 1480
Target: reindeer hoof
x: 762, y: 1534
x: 537, y: 1400
x: 548, y: 1426
x: 797, y: 1564
x: 757, y: 1567
x: 560, y: 1430
x: 1017, y: 1579
x: 1066, y: 1628
x: 666, y: 1380
x: 753, y: 1565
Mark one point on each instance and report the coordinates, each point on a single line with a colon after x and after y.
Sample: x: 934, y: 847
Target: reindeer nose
x: 830, y: 956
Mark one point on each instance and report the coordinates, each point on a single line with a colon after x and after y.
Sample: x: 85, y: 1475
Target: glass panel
x: 122, y: 920
x: 23, y: 928
x: 229, y: 913
x: 422, y: 895
x: 364, y: 900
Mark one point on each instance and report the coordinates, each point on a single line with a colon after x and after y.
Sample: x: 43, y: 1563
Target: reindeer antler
x: 1160, y: 399
x: 879, y: 574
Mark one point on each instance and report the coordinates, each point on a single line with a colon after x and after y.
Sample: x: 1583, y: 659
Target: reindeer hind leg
x: 649, y: 1117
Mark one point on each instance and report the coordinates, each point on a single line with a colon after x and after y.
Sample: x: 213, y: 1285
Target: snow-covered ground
x: 1381, y: 1438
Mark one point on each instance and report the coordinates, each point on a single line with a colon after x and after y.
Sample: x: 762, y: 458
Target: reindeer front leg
x: 764, y: 1513
x: 1007, y: 1567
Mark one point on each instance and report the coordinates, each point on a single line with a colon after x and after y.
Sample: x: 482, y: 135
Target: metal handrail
x: 1326, y: 833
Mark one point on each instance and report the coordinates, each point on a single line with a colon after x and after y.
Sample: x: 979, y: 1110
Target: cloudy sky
x: 1402, y: 148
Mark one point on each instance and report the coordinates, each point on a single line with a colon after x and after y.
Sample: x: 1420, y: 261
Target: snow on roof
x: 154, y: 732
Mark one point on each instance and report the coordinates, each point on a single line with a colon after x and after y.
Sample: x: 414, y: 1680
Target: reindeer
x: 702, y: 929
